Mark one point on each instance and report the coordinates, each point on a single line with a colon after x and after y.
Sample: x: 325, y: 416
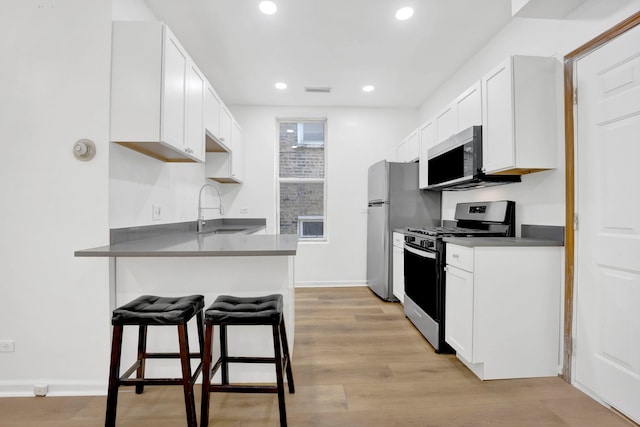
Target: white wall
x: 356, y: 138
x: 55, y: 90
x: 540, y: 197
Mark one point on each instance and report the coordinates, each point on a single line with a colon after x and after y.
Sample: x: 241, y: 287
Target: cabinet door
x: 459, y: 311
x: 174, y: 92
x: 225, y: 127
x: 427, y: 140
x: 446, y: 123
x: 398, y: 273
x: 212, y: 112
x: 194, y: 139
x: 237, y: 154
x: 498, y: 146
x: 414, y: 147
x: 402, y: 151
x: 469, y: 108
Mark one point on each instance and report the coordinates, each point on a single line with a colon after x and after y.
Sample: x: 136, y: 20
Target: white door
x: 607, y: 324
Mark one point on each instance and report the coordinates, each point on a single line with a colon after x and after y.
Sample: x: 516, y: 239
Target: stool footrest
x: 151, y: 381
x: 236, y: 388
x: 170, y: 355
x: 251, y: 359
x: 124, y: 378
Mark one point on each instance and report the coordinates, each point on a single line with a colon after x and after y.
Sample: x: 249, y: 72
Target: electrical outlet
x: 7, y: 346
x: 41, y: 389
x: 156, y: 212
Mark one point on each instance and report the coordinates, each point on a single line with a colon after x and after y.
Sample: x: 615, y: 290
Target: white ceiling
x: 342, y: 44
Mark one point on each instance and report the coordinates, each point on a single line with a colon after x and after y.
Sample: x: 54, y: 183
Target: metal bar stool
x: 228, y: 310
x: 155, y: 311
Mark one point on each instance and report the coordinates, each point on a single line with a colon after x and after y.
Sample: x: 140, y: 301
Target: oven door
x: 421, y: 279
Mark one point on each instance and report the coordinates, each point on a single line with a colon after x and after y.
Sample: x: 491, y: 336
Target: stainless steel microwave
x: 456, y: 163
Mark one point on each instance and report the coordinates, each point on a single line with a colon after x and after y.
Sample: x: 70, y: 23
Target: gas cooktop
x: 475, y: 219
x: 453, y: 231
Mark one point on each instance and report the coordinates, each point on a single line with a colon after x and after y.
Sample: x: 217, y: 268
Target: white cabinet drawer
x: 460, y: 256
x: 398, y: 239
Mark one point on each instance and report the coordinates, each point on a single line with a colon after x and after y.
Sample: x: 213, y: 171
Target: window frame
x: 324, y: 181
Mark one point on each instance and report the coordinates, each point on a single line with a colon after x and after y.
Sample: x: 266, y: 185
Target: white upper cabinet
x: 174, y: 67
x: 227, y: 167
x: 519, y: 116
x: 446, y: 122
x: 427, y: 140
x: 463, y: 112
x: 212, y: 117
x: 194, y: 138
x: 225, y: 127
x: 237, y: 156
x: 413, y: 148
x: 402, y: 151
x: 156, y: 93
x: 469, y: 108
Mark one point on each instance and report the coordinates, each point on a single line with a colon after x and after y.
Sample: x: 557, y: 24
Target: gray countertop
x: 473, y: 242
x: 192, y: 244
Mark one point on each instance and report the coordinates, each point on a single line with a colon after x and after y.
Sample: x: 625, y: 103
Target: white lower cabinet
x: 398, y: 266
x: 502, y: 310
x: 459, y: 311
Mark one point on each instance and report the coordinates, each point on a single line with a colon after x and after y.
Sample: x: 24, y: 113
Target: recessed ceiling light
x: 281, y: 85
x: 368, y: 88
x: 289, y: 130
x: 268, y: 7
x: 404, y: 13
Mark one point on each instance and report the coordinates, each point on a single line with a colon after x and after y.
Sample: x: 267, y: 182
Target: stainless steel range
x: 424, y: 262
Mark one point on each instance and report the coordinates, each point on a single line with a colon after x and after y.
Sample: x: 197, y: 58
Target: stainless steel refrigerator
x: 394, y: 201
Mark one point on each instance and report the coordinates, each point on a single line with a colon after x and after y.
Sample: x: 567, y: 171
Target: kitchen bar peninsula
x: 210, y: 264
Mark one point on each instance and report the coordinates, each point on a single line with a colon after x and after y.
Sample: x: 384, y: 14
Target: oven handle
x: 423, y: 254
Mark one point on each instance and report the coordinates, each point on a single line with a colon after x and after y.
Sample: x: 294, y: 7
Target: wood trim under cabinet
x: 569, y: 121
x: 159, y: 151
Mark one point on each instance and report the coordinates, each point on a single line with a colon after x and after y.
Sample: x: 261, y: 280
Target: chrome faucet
x: 201, y: 222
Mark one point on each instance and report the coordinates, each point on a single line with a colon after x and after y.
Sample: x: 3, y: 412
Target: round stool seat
x: 230, y: 310
x: 155, y: 310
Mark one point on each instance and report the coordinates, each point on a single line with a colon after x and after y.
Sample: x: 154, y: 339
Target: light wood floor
x: 357, y: 362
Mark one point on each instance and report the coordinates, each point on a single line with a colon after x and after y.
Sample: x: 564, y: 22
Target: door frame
x: 570, y: 141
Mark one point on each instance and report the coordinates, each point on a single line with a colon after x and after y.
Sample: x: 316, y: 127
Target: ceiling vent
x: 317, y: 89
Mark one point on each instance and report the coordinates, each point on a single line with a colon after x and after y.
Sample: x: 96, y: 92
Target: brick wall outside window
x: 299, y: 161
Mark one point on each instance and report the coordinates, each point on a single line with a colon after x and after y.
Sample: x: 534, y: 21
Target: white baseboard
x: 331, y: 284
x: 56, y: 388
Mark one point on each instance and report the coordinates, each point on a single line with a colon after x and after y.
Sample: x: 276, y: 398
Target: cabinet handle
x: 456, y: 256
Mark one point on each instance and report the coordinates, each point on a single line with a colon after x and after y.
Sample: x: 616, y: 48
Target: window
x: 301, y: 195
x: 310, y: 226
